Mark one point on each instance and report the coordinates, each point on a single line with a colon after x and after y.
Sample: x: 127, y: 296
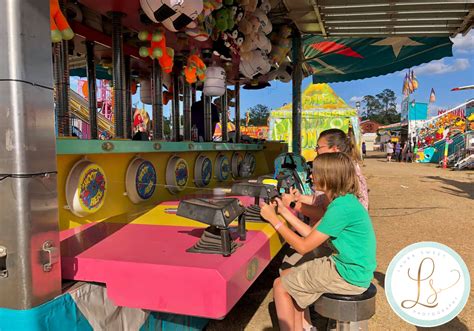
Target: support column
x: 193, y: 94
x: 237, y: 113
x: 297, y: 79
x: 157, y: 100
x: 61, y: 86
x: 118, y: 73
x: 207, y: 118
x: 29, y: 235
x: 187, y: 110
x: 175, y: 106
x: 91, y: 82
x: 128, y: 98
x: 224, y: 108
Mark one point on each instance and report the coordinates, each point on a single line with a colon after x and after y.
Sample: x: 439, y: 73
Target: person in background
x: 197, y: 118
x: 389, y: 150
x: 346, y: 224
x: 398, y: 151
x: 364, y: 149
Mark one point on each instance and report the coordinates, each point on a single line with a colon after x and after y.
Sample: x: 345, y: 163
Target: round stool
x: 351, y: 312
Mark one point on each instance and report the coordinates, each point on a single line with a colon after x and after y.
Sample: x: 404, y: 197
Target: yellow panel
x: 115, y: 167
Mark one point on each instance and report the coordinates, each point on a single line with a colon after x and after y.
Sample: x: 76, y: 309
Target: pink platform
x: 147, y: 266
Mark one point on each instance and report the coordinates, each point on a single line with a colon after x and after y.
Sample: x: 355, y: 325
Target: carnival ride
x: 103, y: 214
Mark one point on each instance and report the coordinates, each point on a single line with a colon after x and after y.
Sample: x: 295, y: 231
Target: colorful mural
x: 322, y: 110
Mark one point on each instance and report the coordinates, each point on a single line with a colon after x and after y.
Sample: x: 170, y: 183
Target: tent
x: 322, y: 110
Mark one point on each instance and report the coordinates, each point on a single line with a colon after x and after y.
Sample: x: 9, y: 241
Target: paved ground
x: 408, y: 203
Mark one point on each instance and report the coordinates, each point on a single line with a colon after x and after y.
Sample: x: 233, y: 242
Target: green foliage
x: 381, y: 108
x: 259, y: 115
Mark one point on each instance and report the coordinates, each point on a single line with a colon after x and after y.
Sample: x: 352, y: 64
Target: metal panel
x: 351, y: 18
x: 19, y: 40
x: 28, y: 221
x: 26, y: 128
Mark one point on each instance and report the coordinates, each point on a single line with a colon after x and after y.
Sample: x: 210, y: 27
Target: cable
x: 21, y: 176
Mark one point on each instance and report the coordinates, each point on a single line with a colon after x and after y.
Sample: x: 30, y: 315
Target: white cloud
x: 441, y: 67
x: 464, y: 44
x: 356, y: 98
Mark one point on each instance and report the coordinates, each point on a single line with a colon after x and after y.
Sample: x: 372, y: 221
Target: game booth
x: 322, y: 110
x: 162, y: 231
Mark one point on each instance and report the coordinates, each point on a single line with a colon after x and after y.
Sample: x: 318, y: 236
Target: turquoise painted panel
x: 171, y: 322
x: 77, y: 146
x: 58, y: 314
x: 418, y: 111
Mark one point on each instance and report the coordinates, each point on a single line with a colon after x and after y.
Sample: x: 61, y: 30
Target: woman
x: 330, y: 141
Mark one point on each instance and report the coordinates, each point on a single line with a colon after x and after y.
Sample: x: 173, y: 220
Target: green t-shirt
x: 349, y: 227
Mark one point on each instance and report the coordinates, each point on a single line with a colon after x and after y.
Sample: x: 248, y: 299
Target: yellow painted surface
x: 115, y: 166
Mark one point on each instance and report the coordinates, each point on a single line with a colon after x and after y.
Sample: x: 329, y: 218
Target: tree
x: 259, y: 115
x: 381, y: 108
x: 372, y: 105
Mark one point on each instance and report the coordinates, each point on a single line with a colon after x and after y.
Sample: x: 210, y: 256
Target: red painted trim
x: 100, y: 37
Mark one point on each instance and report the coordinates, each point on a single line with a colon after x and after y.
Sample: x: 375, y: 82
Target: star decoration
x: 397, y: 43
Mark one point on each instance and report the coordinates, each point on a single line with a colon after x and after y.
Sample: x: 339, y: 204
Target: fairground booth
x: 322, y: 109
x: 116, y: 219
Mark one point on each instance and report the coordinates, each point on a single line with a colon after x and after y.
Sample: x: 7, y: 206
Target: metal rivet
x: 107, y: 146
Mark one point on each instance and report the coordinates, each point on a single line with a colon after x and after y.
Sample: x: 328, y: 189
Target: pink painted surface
x: 147, y: 266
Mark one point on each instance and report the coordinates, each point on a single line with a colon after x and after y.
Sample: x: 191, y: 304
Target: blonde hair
x: 335, y: 173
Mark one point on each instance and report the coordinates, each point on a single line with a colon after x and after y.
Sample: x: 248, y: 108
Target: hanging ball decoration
x: 215, y: 83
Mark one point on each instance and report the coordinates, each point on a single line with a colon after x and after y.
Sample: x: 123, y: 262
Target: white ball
x: 160, y: 10
x: 215, y: 82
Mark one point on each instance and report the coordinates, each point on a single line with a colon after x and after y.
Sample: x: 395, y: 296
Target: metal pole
x: 157, y: 100
x: 118, y: 73
x: 207, y: 118
x: 29, y: 235
x: 224, y: 110
x: 91, y: 82
x: 175, y: 106
x: 296, y: 81
x: 187, y: 110
x: 128, y: 98
x: 193, y: 94
x: 61, y: 86
x: 237, y: 113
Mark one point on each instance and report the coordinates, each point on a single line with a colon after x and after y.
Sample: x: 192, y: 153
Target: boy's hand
x: 267, y: 211
x: 280, y: 207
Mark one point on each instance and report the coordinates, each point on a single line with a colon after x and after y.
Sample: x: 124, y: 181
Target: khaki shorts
x: 308, y: 281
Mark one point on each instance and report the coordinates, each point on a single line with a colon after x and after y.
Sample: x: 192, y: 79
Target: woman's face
x: 323, y: 147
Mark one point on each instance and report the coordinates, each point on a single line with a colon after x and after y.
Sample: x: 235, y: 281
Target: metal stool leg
x: 343, y: 326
